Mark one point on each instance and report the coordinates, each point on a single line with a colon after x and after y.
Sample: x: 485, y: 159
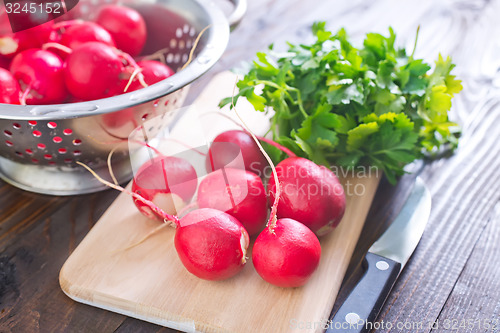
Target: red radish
x: 288, y: 255
x: 152, y: 71
x: 169, y: 182
x: 79, y: 33
x: 93, y: 71
x: 211, y: 244
x: 13, y: 43
x: 312, y: 194
x: 237, y: 192
x: 4, y: 62
x: 126, y: 26
x: 226, y: 148
x: 9, y: 88
x: 40, y: 74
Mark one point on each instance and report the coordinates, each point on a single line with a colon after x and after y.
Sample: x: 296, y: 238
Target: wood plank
x: 30, y: 297
x: 473, y: 305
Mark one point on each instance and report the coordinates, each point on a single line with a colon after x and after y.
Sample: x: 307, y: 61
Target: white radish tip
x: 170, y: 203
x: 244, y: 242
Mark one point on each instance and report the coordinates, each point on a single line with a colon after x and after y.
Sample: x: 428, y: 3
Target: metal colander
x: 41, y: 144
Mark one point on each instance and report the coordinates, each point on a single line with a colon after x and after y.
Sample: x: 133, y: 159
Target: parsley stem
x: 297, y: 102
x: 415, y: 45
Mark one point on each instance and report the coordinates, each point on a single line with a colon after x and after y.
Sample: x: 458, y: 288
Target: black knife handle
x: 362, y: 306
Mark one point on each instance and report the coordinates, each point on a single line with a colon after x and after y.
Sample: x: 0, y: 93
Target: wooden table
x: 454, y: 274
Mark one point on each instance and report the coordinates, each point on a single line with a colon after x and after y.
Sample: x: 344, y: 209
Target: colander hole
x: 47, y: 156
x: 191, y: 32
x: 51, y: 124
x: 185, y: 28
x: 37, y: 133
x: 29, y: 151
x: 7, y: 133
x: 177, y: 58
x: 41, y: 146
x: 178, y: 33
x: 9, y: 143
x: 32, y: 122
x: 170, y: 57
x: 173, y: 43
x: 18, y: 153
x: 182, y: 44
x: 189, y: 43
x: 77, y: 153
x: 77, y: 142
x: 62, y: 150
x: 67, y: 131
x: 184, y: 57
x: 16, y: 126
x: 34, y: 160
x: 68, y: 160
x: 57, y: 139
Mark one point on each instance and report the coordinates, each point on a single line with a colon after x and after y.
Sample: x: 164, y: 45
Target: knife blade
x: 385, y: 260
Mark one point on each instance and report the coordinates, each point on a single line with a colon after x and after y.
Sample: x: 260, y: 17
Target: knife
x: 385, y: 260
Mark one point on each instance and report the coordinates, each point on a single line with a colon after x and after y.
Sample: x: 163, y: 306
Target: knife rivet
x: 382, y: 265
x: 352, y: 318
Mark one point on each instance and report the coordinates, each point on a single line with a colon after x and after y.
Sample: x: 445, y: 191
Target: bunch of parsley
x: 337, y: 104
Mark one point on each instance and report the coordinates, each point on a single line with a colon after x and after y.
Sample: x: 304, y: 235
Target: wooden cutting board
x: 148, y: 281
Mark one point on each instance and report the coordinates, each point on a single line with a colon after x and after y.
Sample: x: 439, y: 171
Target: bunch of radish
x: 230, y: 204
x: 76, y: 60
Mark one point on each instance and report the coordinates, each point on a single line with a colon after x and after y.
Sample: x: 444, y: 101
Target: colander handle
x: 240, y: 7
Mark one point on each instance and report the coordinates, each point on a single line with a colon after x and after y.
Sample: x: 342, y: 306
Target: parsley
x: 338, y: 104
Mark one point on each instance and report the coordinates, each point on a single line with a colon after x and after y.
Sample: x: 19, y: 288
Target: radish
x: 14, y: 43
x: 4, y: 62
x: 40, y: 74
x: 312, y: 194
x: 9, y: 88
x: 79, y: 33
x: 169, y: 182
x: 237, y: 192
x: 93, y: 71
x: 287, y: 254
x: 126, y: 26
x: 152, y: 71
x: 211, y: 244
x: 228, y: 145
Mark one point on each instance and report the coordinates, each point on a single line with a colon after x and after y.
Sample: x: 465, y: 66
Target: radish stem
x: 272, y: 217
x: 261, y: 138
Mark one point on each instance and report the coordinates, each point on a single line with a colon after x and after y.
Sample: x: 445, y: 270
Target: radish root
x: 195, y: 44
x: 143, y: 239
x: 109, y: 166
x: 57, y: 46
x: 168, y: 219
